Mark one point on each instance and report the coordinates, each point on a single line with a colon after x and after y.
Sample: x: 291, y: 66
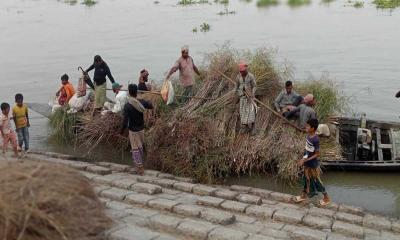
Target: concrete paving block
x: 396, y: 226
x: 139, y: 198
x: 166, y: 237
x: 243, y: 218
x: 371, y: 232
x: 210, y: 201
x: 146, y: 179
x: 347, y: 229
x: 184, y: 186
x: 269, y: 202
x: 167, y: 183
x: 82, y: 166
x: 302, y: 233
x: 124, y: 183
x: 217, y: 216
x: 98, y: 170
x: 332, y: 206
x: 153, y: 173
x: 162, y: 204
x: 115, y: 214
x: 99, y: 188
x: 203, y: 190
x: 223, y: 233
x: 88, y: 175
x: 315, y: 211
x: 226, y: 194
x: 172, y: 191
x: 115, y: 193
x: 187, y: 198
x: 119, y: 167
x: 104, y: 164
x: 377, y: 222
x: 351, y: 209
x: 260, y: 211
x: 337, y: 236
x: 165, y: 222
x: 241, y: 189
x: 146, y: 188
x: 390, y: 235
x: 187, y: 210
x: 142, y: 212
x: 251, y: 199
x: 166, y: 176
x: 260, y: 237
x: 253, y: 228
x: 116, y: 205
x: 347, y: 217
x: 234, y: 206
x: 275, y: 233
x: 107, y: 179
x: 261, y: 192
x: 167, y: 196
x: 195, y: 229
x: 271, y: 224
x: 318, y: 222
x: 281, y: 197
x: 133, y: 232
x: 136, y: 220
x: 288, y: 216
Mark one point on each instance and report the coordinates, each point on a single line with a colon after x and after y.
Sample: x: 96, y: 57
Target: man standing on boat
x: 143, y: 79
x: 187, y: 68
x: 101, y: 70
x: 288, y: 99
x: 246, y: 89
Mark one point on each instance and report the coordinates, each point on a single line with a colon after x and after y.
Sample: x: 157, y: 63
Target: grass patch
x: 191, y: 2
x: 205, y: 27
x: 71, y: 2
x: 267, y: 3
x: 298, y: 3
x: 226, y: 12
x: 222, y: 1
x: 387, y: 4
x: 62, y: 126
x: 358, y: 4
x: 89, y: 2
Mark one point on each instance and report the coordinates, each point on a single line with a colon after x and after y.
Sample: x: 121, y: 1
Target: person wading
x: 187, y: 68
x: 246, y: 89
x: 101, y: 70
x: 133, y: 120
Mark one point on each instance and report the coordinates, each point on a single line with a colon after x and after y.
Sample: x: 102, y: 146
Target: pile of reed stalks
x: 43, y: 201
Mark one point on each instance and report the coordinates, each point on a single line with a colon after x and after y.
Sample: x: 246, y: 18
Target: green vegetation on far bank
x: 387, y: 4
x: 298, y: 3
x: 267, y: 3
x: 358, y: 4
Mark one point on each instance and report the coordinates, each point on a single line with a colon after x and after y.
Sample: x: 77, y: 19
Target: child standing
x: 310, y: 163
x: 6, y: 131
x: 21, y: 120
x: 66, y: 91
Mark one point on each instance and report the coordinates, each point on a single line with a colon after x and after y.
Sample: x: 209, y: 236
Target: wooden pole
x: 158, y: 93
x: 265, y: 105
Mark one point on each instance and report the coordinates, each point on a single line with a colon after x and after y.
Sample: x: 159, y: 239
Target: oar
x: 158, y: 93
x: 265, y: 105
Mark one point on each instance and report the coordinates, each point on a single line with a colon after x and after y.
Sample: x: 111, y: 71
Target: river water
x: 42, y: 39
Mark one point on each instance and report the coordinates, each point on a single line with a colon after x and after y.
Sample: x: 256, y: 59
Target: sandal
x: 324, y: 202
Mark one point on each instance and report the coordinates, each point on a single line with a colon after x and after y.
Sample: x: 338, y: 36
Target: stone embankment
x: 159, y: 206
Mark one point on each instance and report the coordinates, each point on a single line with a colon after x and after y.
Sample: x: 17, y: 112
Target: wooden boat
x: 381, y: 152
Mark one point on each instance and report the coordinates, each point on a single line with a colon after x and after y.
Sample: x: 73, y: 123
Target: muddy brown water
x: 42, y: 39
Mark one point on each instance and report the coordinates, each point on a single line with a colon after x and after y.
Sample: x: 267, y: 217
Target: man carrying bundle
x: 186, y: 68
x: 101, y: 70
x: 133, y: 120
x: 246, y: 89
x: 143, y: 79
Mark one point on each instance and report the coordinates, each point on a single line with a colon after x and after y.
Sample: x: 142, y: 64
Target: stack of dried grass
x: 201, y: 137
x: 46, y: 201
